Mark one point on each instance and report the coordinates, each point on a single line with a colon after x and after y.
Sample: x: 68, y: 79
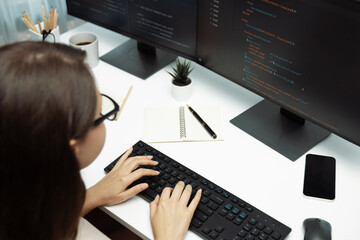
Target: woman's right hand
x: 170, y: 214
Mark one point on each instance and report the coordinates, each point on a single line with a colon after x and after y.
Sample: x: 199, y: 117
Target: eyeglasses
x: 109, y: 109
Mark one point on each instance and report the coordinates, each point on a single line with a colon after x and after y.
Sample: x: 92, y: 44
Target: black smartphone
x: 319, y: 180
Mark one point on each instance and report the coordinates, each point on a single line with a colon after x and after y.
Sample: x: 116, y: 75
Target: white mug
x: 87, y: 42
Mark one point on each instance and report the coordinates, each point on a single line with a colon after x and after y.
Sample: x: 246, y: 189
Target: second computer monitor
x: 302, y: 55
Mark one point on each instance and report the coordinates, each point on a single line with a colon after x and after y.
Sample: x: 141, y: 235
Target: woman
x: 48, y: 106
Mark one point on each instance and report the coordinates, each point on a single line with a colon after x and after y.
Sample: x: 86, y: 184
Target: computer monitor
x: 302, y: 56
x: 165, y: 24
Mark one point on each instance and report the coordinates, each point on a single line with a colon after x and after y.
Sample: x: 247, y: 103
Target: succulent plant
x: 181, y: 73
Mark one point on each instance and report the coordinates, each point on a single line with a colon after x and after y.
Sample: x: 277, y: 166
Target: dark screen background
x: 302, y: 55
x: 165, y: 23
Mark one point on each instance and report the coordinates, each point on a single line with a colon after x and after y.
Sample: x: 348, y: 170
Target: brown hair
x: 47, y: 97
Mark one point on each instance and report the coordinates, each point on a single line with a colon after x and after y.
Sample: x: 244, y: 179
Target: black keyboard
x: 220, y: 214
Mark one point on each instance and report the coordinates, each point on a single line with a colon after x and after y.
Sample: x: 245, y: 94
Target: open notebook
x: 176, y: 124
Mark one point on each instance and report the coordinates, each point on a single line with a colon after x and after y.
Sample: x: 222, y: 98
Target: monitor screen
x: 302, y: 55
x: 170, y: 24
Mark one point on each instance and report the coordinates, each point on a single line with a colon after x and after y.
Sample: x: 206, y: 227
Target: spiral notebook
x: 177, y: 124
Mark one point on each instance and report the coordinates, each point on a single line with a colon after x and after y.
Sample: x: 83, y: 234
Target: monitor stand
x: 138, y: 58
x: 283, y: 131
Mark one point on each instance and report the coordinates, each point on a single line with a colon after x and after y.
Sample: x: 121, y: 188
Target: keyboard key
x: 228, y: 207
x: 194, y: 185
x: 260, y: 226
x: 181, y: 168
x: 235, y: 200
x: 162, y: 182
x: 230, y: 216
x: 223, y: 212
x: 247, y: 227
x: 225, y: 195
x: 175, y: 165
x: 213, y: 206
x: 243, y: 215
x: 242, y: 233
x: 263, y: 236
x: 172, y: 180
x: 235, y: 211
x: 276, y: 235
x: 237, y: 221
x: 150, y: 193
x: 180, y: 177
x: 250, y: 209
x: 187, y: 181
x: 196, y: 222
x: 268, y: 231
x: 165, y: 176
x: 206, y: 230
x: 152, y: 185
x: 200, y: 216
x: 188, y: 172
x: 206, y: 193
x: 219, y: 228
x: 174, y: 173
x: 195, y: 176
x: 214, y: 235
x: 218, y: 190
x: 159, y: 189
x: 216, y: 199
x: 204, y: 200
x: 204, y: 182
x: 255, y: 232
x: 252, y: 221
x: 205, y: 210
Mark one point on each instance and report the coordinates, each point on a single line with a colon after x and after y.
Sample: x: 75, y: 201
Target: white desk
x: 261, y: 176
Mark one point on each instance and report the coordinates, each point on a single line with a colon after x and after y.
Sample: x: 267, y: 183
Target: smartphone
x: 319, y: 180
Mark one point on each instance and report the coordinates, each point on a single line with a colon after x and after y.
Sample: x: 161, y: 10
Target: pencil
x: 44, y: 16
x: 56, y: 14
x: 51, y: 19
x: 28, y: 24
x: 28, y: 18
x: 40, y: 26
x: 123, y: 103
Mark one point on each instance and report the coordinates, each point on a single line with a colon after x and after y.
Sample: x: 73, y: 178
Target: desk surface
x: 261, y: 176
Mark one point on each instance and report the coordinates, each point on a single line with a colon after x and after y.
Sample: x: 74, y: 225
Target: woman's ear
x: 74, y: 146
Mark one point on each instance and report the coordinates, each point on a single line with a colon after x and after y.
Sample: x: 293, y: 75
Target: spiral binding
x: 182, y: 122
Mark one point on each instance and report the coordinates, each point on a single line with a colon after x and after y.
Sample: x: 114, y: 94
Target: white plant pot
x: 182, y: 93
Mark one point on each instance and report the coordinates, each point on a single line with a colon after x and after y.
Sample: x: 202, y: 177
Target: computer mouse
x: 317, y: 229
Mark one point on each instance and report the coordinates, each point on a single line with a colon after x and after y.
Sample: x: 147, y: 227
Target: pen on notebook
x: 202, y: 122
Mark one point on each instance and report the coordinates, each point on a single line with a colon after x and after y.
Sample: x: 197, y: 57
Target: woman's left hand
x: 113, y: 188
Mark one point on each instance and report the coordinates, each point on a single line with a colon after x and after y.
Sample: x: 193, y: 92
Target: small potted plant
x: 181, y: 83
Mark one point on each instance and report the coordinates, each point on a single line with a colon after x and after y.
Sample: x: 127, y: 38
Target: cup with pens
x: 46, y: 30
